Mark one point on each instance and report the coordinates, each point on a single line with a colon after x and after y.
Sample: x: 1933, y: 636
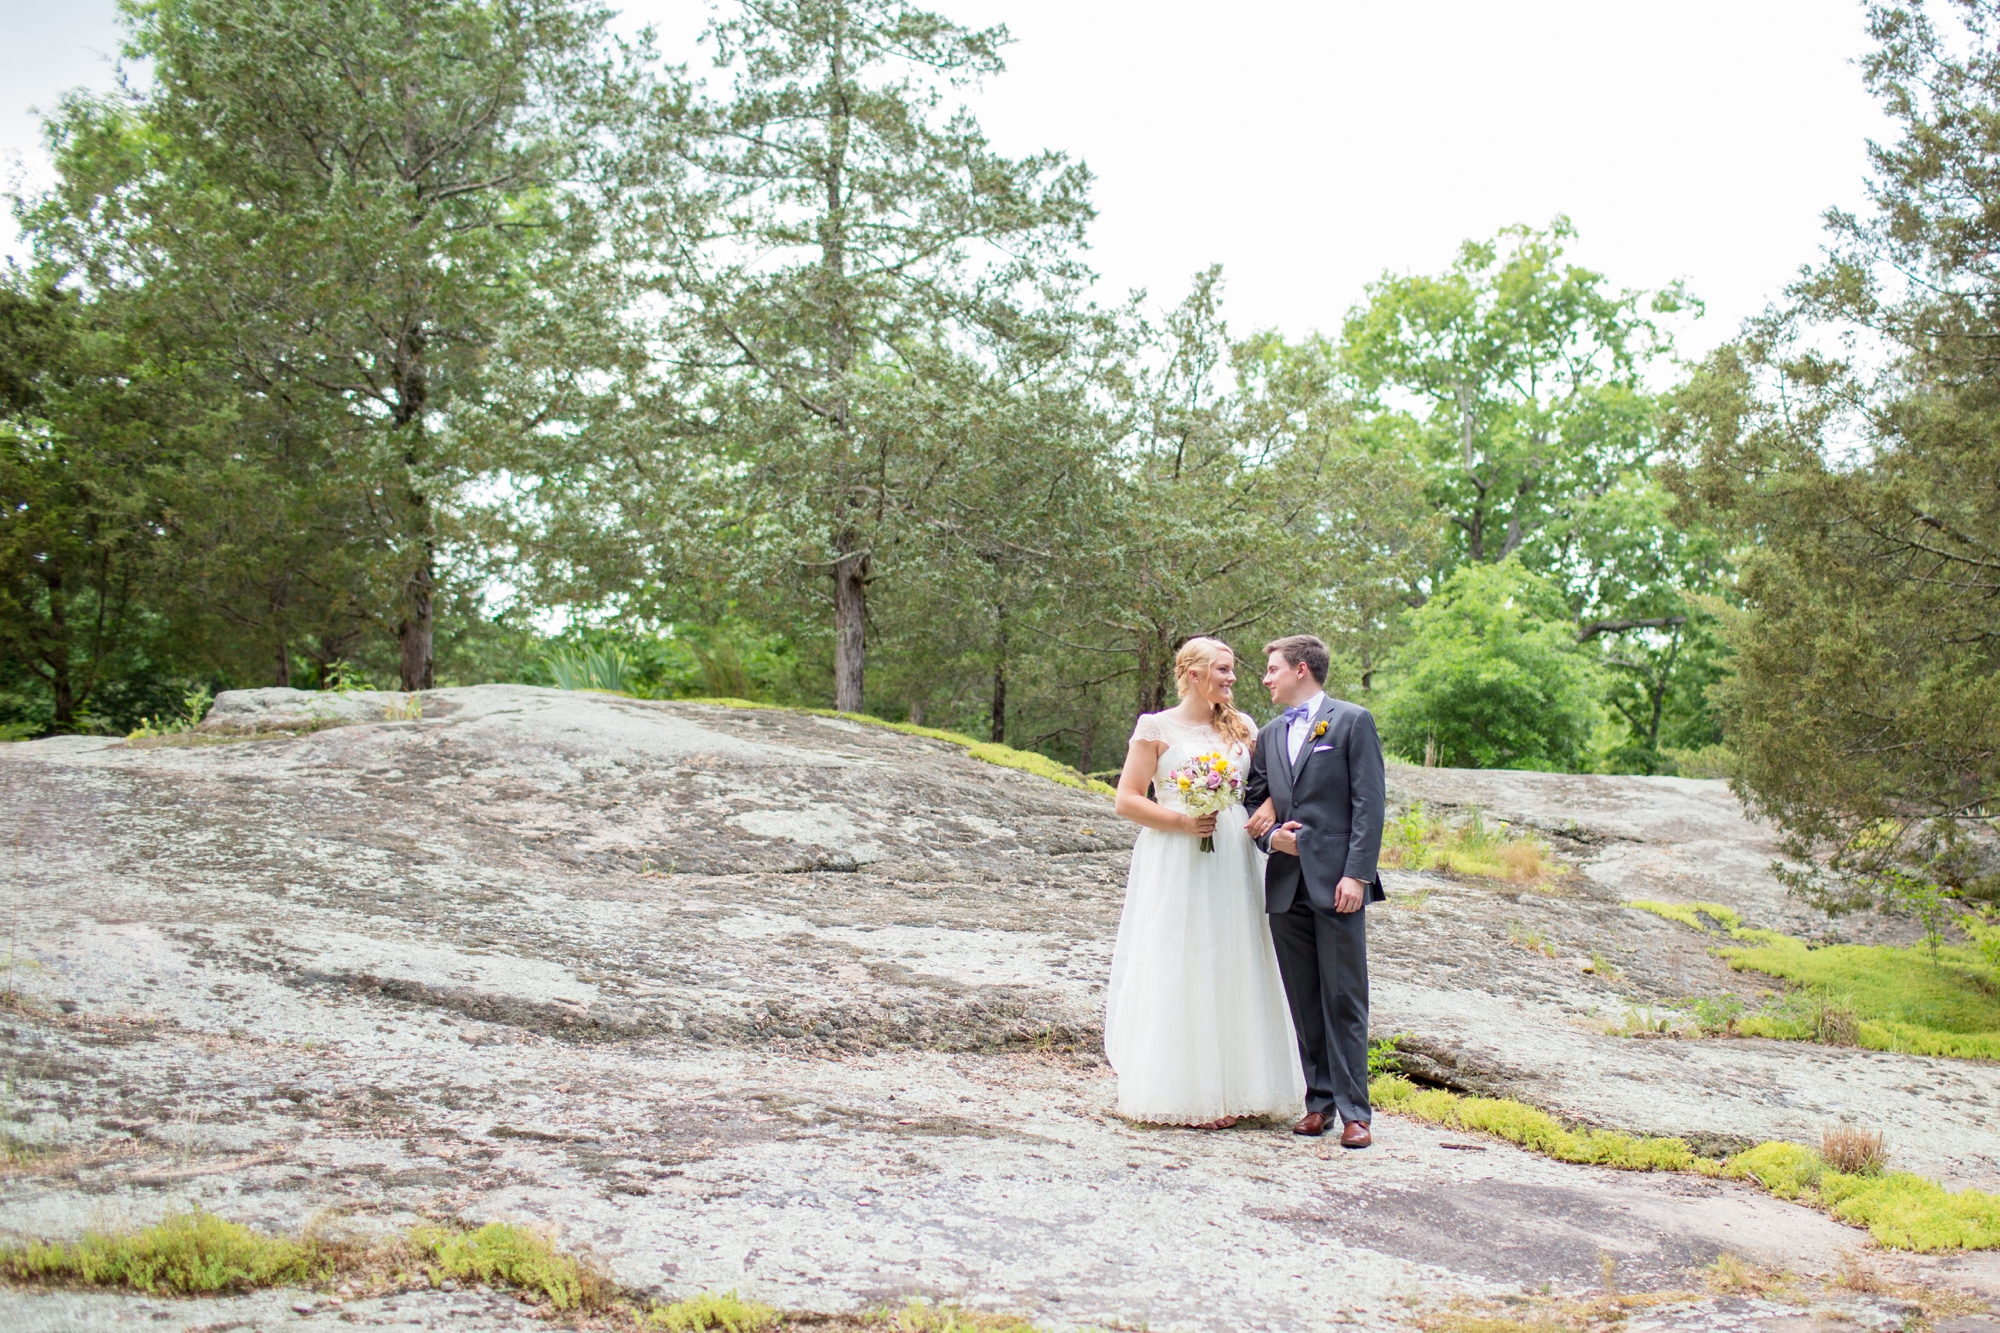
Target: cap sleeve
x: 1149, y: 729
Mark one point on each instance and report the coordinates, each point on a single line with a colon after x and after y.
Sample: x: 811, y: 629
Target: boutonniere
x: 1319, y: 731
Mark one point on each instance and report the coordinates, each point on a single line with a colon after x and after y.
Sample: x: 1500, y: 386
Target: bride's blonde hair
x: 1196, y: 655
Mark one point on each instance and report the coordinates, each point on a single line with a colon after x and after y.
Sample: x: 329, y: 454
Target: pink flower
x: 1215, y: 781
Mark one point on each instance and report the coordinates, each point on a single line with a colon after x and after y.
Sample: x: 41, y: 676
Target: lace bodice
x: 1183, y: 742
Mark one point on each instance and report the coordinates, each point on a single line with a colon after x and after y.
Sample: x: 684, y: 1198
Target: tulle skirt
x: 1195, y: 1021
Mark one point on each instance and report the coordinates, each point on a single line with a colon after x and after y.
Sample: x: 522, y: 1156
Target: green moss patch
x: 500, y: 1254
x: 200, y: 1254
x: 1900, y: 1210
x: 1901, y: 999
x: 1537, y: 1131
x: 726, y: 1312
x: 185, y: 1255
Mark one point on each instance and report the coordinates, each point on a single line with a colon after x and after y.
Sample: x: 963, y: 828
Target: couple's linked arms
x: 1365, y: 781
x: 1264, y: 815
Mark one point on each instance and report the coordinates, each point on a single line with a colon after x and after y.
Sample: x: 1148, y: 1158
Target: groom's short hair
x: 1302, y: 648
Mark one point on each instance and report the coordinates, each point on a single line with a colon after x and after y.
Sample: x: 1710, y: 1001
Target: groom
x: 1320, y: 766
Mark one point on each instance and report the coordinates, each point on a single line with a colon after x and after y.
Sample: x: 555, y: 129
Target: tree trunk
x: 61, y: 687
x: 65, y: 697
x: 1156, y: 665
x: 417, y: 630
x: 282, y: 676
x: 1145, y: 674
x: 999, y: 713
x: 850, y: 616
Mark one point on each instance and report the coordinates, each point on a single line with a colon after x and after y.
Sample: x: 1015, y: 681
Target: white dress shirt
x: 1295, y: 734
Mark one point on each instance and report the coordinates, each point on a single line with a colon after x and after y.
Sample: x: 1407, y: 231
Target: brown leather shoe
x: 1356, y: 1135
x: 1314, y: 1124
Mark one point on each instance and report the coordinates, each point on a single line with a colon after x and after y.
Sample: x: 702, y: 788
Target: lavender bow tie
x: 1295, y: 713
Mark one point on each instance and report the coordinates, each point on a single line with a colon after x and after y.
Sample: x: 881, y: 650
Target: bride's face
x: 1216, y: 683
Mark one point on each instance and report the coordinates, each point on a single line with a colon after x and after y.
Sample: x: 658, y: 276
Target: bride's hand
x: 1201, y: 826
x: 1261, y: 822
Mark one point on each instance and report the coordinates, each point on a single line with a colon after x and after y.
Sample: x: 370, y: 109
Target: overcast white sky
x: 1309, y: 145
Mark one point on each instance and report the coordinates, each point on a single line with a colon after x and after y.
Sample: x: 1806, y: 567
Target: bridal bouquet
x: 1209, y: 784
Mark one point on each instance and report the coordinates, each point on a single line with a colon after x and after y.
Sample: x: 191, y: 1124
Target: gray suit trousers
x: 1324, y: 961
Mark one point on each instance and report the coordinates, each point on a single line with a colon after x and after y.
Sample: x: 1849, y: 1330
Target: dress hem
x: 1183, y: 1119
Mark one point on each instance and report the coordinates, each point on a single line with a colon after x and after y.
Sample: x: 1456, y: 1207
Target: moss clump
x: 727, y: 1312
x: 1691, y: 914
x: 1901, y: 1211
x: 1907, y: 1212
x: 1537, y: 1131
x: 1004, y: 756
x: 185, y: 1254
x: 502, y: 1254
x: 1899, y: 998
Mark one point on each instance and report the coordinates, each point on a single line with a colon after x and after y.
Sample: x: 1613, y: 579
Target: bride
x: 1196, y: 1023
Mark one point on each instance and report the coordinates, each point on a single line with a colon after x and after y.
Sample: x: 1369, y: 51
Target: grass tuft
x: 1419, y: 840
x: 1731, y: 1275
x: 1854, y: 1152
x: 186, y: 1254
x: 501, y: 1254
x: 921, y: 1316
x: 727, y: 1312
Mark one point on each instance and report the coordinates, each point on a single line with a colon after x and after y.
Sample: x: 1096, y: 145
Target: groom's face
x: 1288, y: 683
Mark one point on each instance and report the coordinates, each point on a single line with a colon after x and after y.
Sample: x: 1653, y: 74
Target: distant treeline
x: 367, y: 343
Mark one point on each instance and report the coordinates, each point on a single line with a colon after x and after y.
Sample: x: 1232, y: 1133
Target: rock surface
x: 753, y: 999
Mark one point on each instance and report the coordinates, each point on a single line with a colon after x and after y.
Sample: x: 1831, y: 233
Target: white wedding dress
x: 1195, y: 1021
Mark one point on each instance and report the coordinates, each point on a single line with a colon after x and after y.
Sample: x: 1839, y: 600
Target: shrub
x: 194, y: 707
x: 603, y: 668
x: 1717, y: 1016
x: 1710, y: 761
x: 1492, y: 676
x: 1382, y: 1057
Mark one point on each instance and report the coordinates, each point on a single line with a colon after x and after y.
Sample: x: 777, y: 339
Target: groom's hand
x: 1348, y: 894
x: 1286, y: 839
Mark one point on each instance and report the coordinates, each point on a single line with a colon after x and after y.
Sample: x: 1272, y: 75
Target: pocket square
x: 1318, y: 748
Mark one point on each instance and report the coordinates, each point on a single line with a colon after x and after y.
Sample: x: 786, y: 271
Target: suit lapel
x: 1306, y: 748
x: 1280, y: 771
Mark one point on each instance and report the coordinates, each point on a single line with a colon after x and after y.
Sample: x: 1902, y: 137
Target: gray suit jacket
x: 1336, y: 788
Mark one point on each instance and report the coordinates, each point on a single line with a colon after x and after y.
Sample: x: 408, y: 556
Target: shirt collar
x: 1313, y: 705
